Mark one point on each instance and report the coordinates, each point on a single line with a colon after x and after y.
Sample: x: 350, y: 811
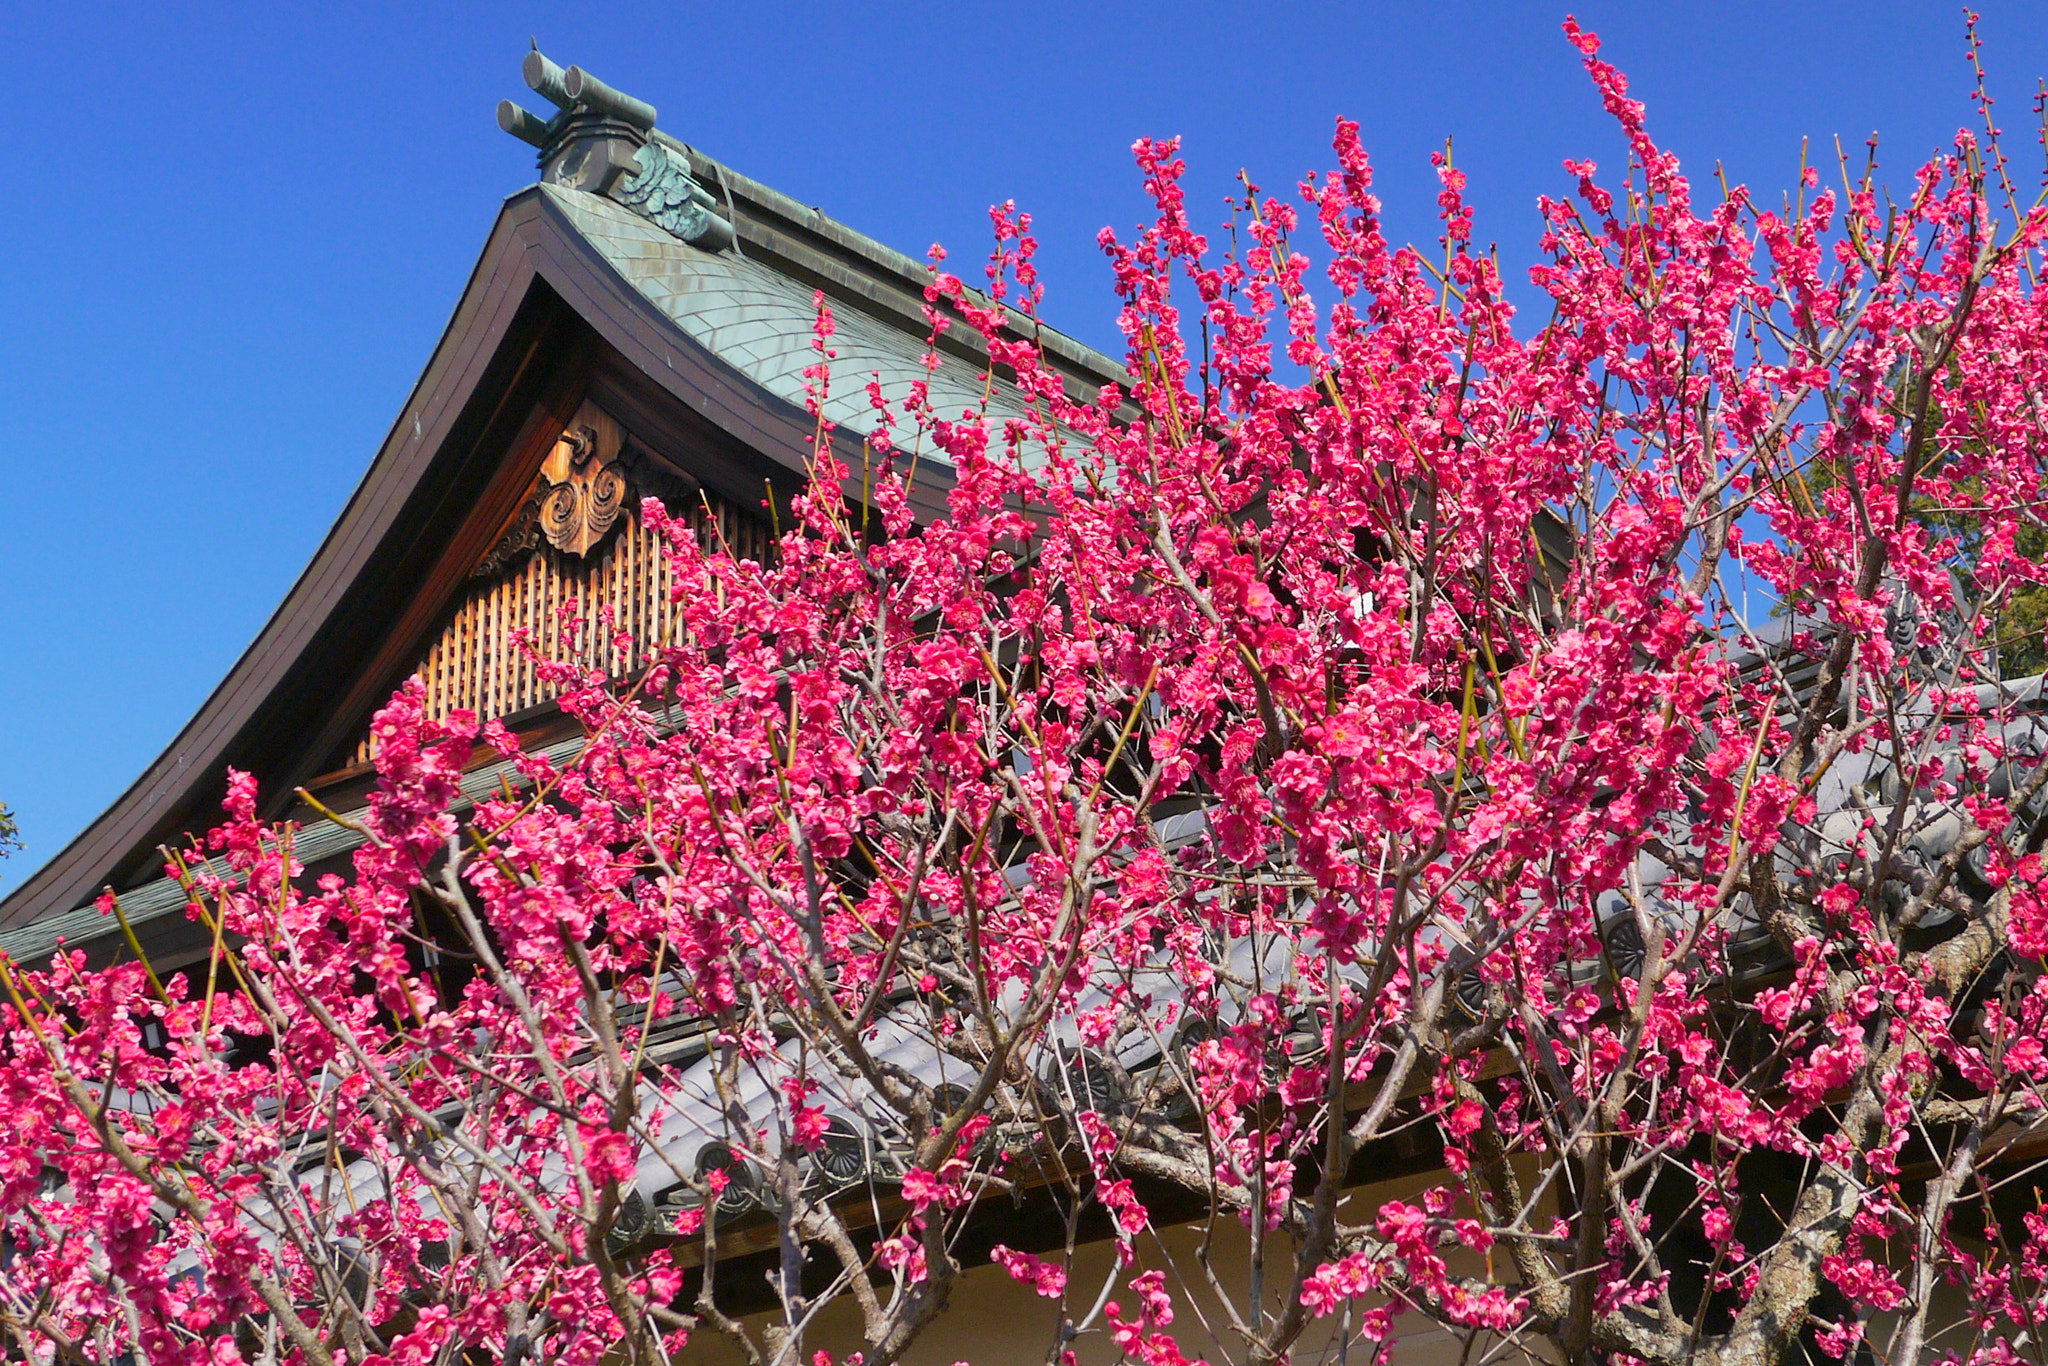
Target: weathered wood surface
x: 608, y: 614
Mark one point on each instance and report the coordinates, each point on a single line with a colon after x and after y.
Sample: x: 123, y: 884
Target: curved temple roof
x: 694, y: 299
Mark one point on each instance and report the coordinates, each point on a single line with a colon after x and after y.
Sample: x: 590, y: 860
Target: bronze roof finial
x: 602, y: 141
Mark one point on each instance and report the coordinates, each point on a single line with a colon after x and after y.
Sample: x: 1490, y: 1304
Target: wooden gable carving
x: 577, y: 536
x: 583, y: 490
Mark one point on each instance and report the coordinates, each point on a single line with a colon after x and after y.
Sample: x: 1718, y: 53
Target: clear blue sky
x: 234, y: 231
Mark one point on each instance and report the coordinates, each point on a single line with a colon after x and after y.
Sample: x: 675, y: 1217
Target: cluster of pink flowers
x: 1340, y: 752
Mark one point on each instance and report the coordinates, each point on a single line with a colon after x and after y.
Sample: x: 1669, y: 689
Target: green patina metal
x: 665, y: 193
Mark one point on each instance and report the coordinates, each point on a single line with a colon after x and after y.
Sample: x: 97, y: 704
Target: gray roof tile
x: 760, y: 322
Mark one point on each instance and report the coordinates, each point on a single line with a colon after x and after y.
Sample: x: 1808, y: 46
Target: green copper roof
x: 760, y: 321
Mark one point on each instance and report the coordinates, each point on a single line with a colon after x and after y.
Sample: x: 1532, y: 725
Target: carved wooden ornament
x: 583, y: 490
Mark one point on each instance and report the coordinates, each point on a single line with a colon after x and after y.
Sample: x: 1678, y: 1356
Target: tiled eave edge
x: 311, y: 843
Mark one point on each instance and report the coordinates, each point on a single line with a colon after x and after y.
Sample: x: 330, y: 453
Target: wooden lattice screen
x: 476, y: 660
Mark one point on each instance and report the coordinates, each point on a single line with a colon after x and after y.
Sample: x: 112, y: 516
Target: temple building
x: 638, y: 324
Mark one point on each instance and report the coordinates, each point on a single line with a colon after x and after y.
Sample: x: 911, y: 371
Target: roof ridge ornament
x: 600, y: 140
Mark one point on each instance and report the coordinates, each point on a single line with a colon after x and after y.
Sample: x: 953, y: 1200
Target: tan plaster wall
x: 994, y: 1321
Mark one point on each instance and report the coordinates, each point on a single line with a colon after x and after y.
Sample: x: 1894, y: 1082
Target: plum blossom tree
x: 1352, y: 742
